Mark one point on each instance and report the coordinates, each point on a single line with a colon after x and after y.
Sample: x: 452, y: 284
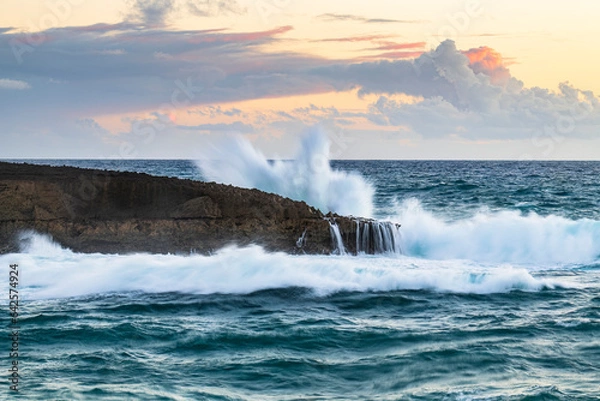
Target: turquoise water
x: 497, y: 297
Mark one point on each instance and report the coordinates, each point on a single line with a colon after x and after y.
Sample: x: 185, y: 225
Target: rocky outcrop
x: 106, y: 211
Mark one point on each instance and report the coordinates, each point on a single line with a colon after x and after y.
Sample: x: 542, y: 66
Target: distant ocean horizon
x: 495, y: 295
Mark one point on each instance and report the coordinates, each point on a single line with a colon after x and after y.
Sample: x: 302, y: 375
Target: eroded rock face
x: 104, y: 211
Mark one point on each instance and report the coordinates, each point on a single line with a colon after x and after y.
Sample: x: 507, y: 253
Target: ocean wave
x: 498, y: 237
x: 308, y: 177
x: 507, y: 236
x: 49, y: 271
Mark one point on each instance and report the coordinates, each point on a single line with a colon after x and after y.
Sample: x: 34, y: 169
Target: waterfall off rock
x: 336, y: 238
x: 366, y: 236
x: 374, y: 237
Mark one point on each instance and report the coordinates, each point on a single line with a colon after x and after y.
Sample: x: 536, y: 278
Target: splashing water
x: 375, y: 237
x: 308, y: 177
x: 336, y: 238
x: 246, y: 270
x: 499, y: 237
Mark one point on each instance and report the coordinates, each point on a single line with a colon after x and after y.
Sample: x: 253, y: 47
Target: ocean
x: 495, y: 295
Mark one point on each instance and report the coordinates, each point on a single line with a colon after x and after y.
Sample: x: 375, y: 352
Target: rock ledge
x: 119, y: 212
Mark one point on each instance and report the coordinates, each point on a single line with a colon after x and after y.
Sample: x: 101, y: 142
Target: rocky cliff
x: 106, y: 211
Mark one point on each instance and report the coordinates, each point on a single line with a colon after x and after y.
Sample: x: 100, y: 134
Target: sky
x: 385, y: 79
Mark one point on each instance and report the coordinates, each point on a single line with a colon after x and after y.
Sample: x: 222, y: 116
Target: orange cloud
x: 487, y: 61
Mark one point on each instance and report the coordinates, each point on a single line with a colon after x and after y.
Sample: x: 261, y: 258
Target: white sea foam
x: 309, y: 177
x: 488, y: 253
x: 245, y: 270
x: 499, y: 237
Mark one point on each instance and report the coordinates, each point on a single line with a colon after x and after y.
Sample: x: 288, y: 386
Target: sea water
x: 495, y: 295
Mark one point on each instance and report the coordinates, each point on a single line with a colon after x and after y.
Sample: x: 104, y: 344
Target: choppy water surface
x: 496, y: 298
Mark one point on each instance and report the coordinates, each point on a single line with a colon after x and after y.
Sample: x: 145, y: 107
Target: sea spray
x: 499, y: 237
x: 247, y: 324
x: 308, y: 177
x: 246, y: 270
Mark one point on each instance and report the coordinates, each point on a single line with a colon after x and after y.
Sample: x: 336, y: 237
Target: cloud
x: 49, y: 137
x: 159, y: 136
x: 366, y: 38
x: 112, y: 52
x: 400, y: 50
x: 214, y: 111
x: 232, y: 112
x: 473, y: 95
x: 220, y: 127
x: 396, y: 55
x: 213, y: 8
x: 151, y: 12
x: 99, y: 28
x: 6, y: 83
x: 90, y: 125
x: 401, y: 46
x: 331, y: 17
x: 253, y: 36
x: 489, y: 62
x: 443, y: 72
x: 130, y: 68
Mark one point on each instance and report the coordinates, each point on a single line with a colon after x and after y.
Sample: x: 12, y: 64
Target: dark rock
x: 106, y: 211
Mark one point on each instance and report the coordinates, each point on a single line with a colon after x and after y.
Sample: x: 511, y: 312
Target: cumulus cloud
x: 443, y: 72
x: 132, y: 68
x: 489, y: 62
x: 6, y: 83
x: 472, y: 95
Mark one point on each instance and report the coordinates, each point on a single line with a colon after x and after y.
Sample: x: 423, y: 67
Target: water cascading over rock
x: 373, y: 237
x: 367, y: 237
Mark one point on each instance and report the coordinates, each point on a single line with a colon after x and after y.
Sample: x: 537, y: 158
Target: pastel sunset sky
x: 430, y: 79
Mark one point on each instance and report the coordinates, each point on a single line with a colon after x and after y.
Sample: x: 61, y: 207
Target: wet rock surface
x: 119, y: 212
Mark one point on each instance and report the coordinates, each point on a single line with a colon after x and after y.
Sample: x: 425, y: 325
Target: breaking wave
x: 499, y: 237
x: 49, y: 271
x: 308, y: 177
